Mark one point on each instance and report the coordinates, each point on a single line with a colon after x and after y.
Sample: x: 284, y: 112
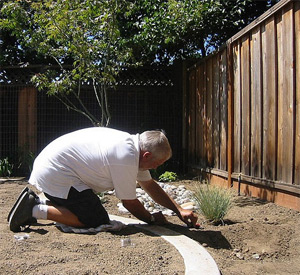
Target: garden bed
x: 257, y: 238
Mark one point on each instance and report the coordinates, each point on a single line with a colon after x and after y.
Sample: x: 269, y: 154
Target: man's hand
x: 162, y: 198
x: 189, y: 217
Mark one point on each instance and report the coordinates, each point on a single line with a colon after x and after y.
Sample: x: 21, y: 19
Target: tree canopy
x: 146, y: 31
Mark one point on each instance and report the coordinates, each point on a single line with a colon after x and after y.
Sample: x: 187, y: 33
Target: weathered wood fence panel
x: 207, y: 113
x: 297, y: 83
x: 236, y: 109
x: 223, y: 110
x: 265, y: 114
x: 286, y: 112
x: 192, y: 118
x: 256, y: 104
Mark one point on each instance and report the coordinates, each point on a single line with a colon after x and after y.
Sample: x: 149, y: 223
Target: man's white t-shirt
x: 94, y: 158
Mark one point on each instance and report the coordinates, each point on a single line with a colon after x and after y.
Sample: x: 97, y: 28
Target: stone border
x: 196, y: 259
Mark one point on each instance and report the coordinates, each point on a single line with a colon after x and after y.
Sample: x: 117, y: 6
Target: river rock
x: 180, y: 194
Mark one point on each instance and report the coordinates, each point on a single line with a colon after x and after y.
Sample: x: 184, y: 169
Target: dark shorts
x: 86, y: 205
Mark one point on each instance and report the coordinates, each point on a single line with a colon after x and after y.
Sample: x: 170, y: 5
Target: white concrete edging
x: 197, y: 260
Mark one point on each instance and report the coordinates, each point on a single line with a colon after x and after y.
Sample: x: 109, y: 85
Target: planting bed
x: 257, y: 238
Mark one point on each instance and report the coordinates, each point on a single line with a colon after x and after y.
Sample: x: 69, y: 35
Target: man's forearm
x: 137, y: 209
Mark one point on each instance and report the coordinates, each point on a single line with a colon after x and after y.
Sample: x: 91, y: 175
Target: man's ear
x: 147, y: 154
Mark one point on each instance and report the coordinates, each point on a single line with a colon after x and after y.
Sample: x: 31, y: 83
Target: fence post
x: 27, y: 119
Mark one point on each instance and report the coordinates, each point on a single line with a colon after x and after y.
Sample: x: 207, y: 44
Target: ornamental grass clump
x: 213, y: 202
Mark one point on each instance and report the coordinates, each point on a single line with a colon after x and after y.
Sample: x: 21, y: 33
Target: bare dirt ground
x: 258, y: 238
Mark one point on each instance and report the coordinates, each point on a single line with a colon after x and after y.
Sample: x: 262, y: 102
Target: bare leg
x: 63, y: 215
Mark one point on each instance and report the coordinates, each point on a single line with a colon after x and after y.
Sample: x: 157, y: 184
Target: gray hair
x: 157, y: 143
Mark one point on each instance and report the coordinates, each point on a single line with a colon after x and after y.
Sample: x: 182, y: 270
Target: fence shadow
x: 247, y: 201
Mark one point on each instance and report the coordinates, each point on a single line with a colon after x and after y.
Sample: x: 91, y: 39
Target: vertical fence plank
x: 191, y: 117
x: 209, y: 113
x: 197, y: 112
x: 185, y: 145
x: 237, y: 107
x: 199, y: 116
x: 216, y: 110
x: 230, y: 111
x: 204, y: 114
x: 279, y: 96
x: 256, y: 101
x: 285, y: 97
x: 269, y: 99
x: 245, y: 104
x: 297, y: 83
x: 223, y: 110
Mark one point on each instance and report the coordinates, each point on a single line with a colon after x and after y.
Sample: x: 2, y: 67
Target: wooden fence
x: 242, y: 105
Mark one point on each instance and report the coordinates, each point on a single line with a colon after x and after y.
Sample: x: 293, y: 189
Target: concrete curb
x: 197, y: 260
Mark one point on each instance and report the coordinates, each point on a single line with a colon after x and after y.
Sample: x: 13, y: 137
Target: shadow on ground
x: 247, y: 201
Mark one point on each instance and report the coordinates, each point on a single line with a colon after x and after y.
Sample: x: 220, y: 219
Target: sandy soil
x: 258, y: 238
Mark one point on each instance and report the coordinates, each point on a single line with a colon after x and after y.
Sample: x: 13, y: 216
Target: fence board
x: 199, y: 116
x: 245, y: 103
x: 269, y: 67
x: 285, y: 96
x: 237, y: 108
x: 256, y: 101
x: 297, y: 83
x: 279, y: 96
x: 204, y: 112
x: 191, y: 117
x: 209, y: 113
x: 216, y: 110
x: 223, y: 110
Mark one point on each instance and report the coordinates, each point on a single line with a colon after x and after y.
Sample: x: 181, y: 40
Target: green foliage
x: 122, y: 32
x: 168, y: 177
x: 159, y: 31
x: 214, y: 202
x: 5, y: 168
x: 101, y: 197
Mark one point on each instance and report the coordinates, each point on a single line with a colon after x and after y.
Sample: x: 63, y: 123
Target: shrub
x: 168, y: 177
x: 213, y: 202
x: 5, y: 168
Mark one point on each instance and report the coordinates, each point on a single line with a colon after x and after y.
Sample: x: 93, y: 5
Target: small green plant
x: 213, y: 202
x: 5, y: 168
x: 168, y: 177
x: 101, y: 197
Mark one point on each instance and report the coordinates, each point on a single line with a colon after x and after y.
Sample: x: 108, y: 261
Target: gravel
x: 179, y: 193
